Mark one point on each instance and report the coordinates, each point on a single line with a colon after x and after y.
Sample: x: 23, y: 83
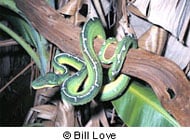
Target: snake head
x: 49, y: 80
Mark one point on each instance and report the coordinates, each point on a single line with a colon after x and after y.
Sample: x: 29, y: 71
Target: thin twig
x: 8, y: 42
x: 113, y: 116
x: 15, y: 77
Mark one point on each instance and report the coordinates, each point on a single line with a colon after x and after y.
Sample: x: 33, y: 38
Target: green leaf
x: 26, y: 46
x: 35, y: 39
x: 27, y: 31
x: 139, y: 106
x: 10, y: 4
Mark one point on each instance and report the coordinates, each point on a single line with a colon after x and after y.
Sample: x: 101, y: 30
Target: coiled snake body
x: 83, y: 86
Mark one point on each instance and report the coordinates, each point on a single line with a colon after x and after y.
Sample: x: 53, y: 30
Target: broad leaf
x: 139, y: 106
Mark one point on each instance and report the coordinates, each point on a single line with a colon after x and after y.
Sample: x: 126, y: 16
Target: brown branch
x: 49, y: 24
x: 167, y: 80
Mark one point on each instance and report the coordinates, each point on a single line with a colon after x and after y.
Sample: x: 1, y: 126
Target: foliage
x: 27, y: 31
x: 140, y: 107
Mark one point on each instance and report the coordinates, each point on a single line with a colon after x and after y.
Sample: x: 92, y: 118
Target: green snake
x: 91, y: 29
x: 117, y: 84
x: 83, y: 86
x: 51, y: 79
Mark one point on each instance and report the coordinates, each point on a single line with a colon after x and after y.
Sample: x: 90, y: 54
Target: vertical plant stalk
x: 26, y: 46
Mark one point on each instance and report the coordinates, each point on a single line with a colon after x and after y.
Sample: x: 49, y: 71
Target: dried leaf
x: 174, y: 50
x: 71, y: 7
x: 153, y: 40
x: 61, y: 3
x: 178, y: 53
x: 97, y: 5
x: 173, y: 15
x: 46, y: 112
x: 97, y: 119
x: 77, y: 19
x: 43, y: 95
x: 124, y: 29
x: 103, y: 119
x: 106, y: 5
x: 48, y: 123
x: 65, y: 114
x: 140, y: 25
x: 91, y: 10
x: 93, y: 122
